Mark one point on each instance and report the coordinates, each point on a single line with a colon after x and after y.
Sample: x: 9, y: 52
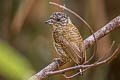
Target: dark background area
x: 26, y: 44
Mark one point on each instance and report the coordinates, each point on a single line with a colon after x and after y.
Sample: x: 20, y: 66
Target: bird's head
x: 59, y: 19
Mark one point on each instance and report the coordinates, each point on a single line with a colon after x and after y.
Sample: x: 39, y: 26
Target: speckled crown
x: 58, y: 19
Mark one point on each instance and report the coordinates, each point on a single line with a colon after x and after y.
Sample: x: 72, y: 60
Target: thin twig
x: 105, y: 54
x: 93, y: 64
x: 87, y: 42
x: 116, y: 52
x: 80, y: 18
x: 65, y: 8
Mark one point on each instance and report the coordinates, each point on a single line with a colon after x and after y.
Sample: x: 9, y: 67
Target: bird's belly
x: 74, y: 39
x: 68, y: 35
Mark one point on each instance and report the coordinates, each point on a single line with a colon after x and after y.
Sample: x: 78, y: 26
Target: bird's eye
x: 58, y: 19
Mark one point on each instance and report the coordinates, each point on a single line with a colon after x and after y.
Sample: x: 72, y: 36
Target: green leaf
x: 13, y: 65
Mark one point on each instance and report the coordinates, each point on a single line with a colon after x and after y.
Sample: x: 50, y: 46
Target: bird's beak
x: 49, y: 21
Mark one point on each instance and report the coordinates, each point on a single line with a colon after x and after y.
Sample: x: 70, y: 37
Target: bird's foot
x: 57, y: 61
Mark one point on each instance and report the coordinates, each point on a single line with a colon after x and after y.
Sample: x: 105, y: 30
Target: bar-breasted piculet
x: 67, y: 38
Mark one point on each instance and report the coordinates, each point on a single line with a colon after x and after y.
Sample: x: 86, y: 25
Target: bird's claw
x: 57, y: 60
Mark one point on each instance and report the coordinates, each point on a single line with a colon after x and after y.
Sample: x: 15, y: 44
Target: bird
x: 67, y: 39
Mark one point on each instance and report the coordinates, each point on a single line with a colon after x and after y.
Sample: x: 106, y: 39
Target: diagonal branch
x: 103, y: 31
x: 47, y: 71
x: 88, y: 42
x: 109, y: 59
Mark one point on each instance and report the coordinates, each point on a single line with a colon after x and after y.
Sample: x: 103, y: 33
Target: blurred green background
x: 26, y: 41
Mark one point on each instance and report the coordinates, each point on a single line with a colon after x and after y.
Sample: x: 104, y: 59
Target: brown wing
x: 74, y: 53
x: 71, y: 41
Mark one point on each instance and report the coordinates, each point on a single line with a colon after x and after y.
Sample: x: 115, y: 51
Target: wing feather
x: 71, y: 41
x: 73, y: 52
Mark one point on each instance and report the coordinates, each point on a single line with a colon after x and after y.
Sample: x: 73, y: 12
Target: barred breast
x: 71, y: 34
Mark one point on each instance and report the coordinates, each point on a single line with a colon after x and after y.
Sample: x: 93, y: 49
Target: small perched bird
x: 67, y: 39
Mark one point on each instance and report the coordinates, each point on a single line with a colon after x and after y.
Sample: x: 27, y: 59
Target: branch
x: 88, y: 42
x: 114, y: 55
x: 47, y: 71
x: 103, y: 31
